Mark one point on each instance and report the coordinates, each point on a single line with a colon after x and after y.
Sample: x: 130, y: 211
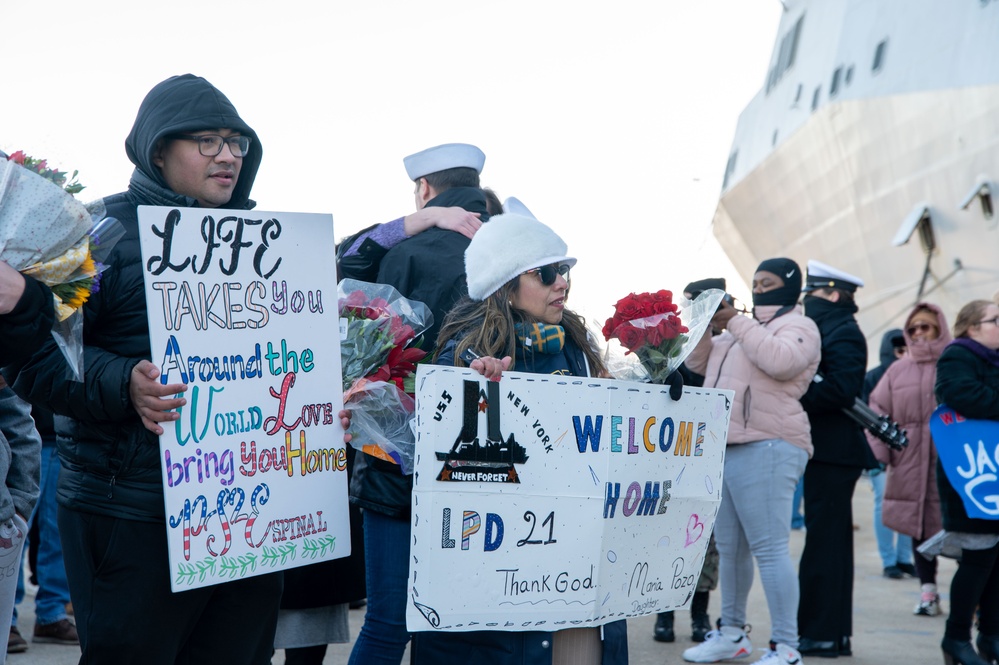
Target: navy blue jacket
x: 430, y: 268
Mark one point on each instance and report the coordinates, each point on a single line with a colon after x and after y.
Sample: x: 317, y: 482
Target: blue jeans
x: 383, y: 637
x: 893, y: 547
x: 797, y: 517
x: 53, y: 589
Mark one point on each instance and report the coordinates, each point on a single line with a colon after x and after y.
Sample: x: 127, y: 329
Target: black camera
x: 879, y: 425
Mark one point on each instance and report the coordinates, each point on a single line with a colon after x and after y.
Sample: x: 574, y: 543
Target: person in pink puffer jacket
x: 912, y: 504
x: 768, y: 361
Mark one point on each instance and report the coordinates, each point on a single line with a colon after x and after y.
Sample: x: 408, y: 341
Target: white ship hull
x: 855, y: 174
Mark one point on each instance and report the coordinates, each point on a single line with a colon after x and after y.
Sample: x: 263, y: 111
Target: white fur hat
x: 443, y: 157
x: 516, y: 206
x: 506, y: 246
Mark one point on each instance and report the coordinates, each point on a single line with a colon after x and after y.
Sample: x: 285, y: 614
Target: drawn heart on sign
x: 695, y: 529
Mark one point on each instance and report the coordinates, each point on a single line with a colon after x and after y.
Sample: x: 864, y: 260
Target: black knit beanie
x: 787, y: 270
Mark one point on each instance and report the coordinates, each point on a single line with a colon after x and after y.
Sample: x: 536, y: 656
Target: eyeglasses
x: 920, y: 327
x: 210, y: 145
x: 549, y: 273
x: 994, y: 321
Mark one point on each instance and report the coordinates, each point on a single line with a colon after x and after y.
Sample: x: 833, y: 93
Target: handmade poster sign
x: 969, y: 455
x: 545, y: 502
x: 242, y: 309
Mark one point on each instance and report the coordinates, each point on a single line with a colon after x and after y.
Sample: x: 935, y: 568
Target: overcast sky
x: 611, y: 121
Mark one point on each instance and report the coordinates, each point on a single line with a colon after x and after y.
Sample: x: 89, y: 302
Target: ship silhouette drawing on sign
x: 472, y: 459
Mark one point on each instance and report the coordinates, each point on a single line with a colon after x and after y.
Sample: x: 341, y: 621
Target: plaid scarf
x: 540, y: 337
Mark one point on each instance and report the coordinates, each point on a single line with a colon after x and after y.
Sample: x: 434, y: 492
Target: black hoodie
x: 184, y: 104
x: 891, y: 339
x: 110, y: 462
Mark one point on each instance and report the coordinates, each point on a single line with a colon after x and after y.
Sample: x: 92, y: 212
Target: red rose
x: 631, y: 337
x: 400, y: 332
x: 647, y: 306
x: 606, y: 330
x: 18, y: 157
x: 609, y: 326
x: 628, y: 308
x: 671, y: 327
x: 654, y: 335
x: 666, y: 308
x: 379, y: 303
x: 662, y: 302
x: 356, y: 299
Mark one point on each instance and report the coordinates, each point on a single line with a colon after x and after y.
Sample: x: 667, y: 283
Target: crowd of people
x: 496, y: 280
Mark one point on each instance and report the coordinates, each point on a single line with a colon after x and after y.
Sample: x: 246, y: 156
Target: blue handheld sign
x: 969, y: 453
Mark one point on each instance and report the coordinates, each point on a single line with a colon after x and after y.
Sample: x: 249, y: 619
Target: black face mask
x: 814, y: 303
x: 785, y: 295
x: 782, y: 296
x: 817, y: 308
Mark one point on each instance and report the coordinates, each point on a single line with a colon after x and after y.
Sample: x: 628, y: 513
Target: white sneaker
x: 929, y: 602
x: 781, y: 654
x: 728, y: 642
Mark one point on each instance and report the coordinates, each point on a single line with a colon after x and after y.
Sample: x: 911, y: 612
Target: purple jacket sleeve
x: 388, y: 235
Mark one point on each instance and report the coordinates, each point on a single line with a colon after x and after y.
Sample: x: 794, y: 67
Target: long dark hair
x: 488, y: 327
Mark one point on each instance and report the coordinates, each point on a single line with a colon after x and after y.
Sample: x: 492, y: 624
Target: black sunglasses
x: 549, y: 273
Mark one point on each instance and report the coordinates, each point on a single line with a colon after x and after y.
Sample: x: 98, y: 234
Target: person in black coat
x: 825, y: 574
x: 968, y: 382
x: 110, y: 493
x: 429, y: 268
x: 26, y: 315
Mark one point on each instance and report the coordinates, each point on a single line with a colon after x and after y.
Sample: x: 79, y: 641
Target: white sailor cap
x: 443, y: 157
x: 517, y: 207
x: 823, y: 276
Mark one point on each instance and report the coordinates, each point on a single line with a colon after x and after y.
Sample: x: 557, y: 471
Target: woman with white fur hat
x: 515, y: 318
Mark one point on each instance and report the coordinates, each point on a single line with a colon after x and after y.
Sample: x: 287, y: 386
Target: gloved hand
x: 675, y: 383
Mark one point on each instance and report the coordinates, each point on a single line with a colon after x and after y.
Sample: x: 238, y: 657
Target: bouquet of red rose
x: 378, y: 328
x: 49, y: 235
x: 651, y: 326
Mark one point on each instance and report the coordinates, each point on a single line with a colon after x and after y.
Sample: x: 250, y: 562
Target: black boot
x: 988, y: 647
x: 956, y: 652
x: 700, y: 622
x: 663, y: 632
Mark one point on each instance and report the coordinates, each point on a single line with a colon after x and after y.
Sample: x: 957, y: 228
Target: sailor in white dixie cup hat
x: 443, y: 157
x: 823, y: 276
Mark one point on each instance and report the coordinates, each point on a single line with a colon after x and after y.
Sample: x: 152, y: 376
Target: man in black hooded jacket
x: 190, y: 148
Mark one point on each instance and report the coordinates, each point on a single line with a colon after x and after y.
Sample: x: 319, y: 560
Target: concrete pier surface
x: 885, y: 631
